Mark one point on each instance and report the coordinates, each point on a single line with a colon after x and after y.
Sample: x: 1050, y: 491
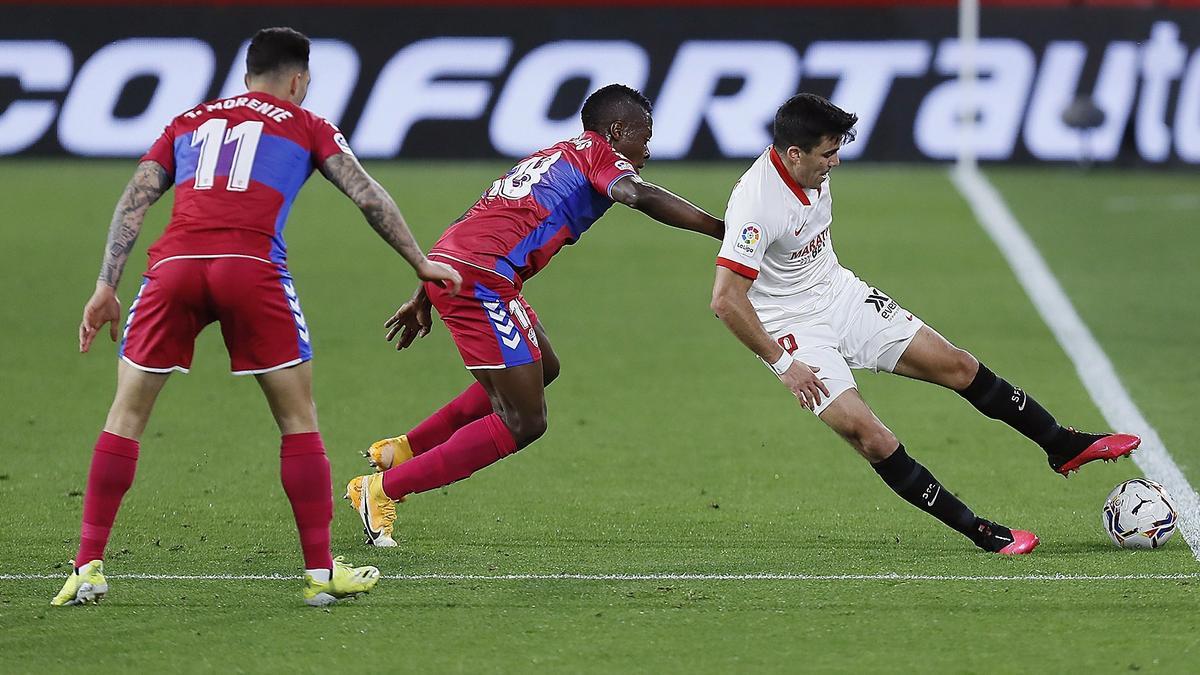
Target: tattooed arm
x: 344, y: 171
x: 149, y: 183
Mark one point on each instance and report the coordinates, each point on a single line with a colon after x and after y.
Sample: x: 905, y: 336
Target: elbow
x: 631, y: 199
x: 719, y: 305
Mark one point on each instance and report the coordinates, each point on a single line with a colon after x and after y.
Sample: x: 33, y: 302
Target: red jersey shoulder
x: 598, y: 161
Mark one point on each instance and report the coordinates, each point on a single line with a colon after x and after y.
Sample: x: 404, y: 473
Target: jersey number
x: 520, y: 181
x: 211, y: 137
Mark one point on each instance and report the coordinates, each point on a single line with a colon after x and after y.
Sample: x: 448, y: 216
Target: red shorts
x: 489, y: 320
x: 254, y: 300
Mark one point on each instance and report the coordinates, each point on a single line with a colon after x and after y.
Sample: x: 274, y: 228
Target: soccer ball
x: 1139, y: 514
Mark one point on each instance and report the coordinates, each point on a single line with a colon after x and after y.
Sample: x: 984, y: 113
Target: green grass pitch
x: 670, y: 451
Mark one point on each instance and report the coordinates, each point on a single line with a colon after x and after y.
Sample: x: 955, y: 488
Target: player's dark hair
x: 805, y: 120
x: 611, y: 103
x: 275, y: 48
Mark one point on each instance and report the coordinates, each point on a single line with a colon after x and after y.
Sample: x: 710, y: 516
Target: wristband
x: 780, y: 367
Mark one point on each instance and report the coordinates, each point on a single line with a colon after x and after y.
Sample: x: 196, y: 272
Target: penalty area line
x: 650, y: 577
x: 1095, y: 369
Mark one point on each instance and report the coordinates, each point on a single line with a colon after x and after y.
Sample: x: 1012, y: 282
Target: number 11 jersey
x: 237, y: 165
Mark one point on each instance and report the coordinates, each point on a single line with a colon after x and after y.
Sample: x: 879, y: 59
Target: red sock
x: 114, y: 461
x: 469, y: 406
x: 304, y: 470
x: 476, y: 445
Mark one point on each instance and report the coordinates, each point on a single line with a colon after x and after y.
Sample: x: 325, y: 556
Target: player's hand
x: 103, y: 307
x: 413, y: 320
x: 441, y: 274
x: 803, y: 382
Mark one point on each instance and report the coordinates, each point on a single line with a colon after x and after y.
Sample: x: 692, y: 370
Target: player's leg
x: 267, y: 336
x: 517, y: 394
x: 472, y: 404
x: 114, y: 458
x: 518, y: 402
x: 303, y: 465
x: 304, y: 471
x: 160, y: 328
x: 932, y: 358
x: 853, y: 420
x: 114, y: 463
x: 494, y: 330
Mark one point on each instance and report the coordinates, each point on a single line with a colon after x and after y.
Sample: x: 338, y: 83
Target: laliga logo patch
x: 341, y: 143
x: 623, y: 165
x: 747, y: 241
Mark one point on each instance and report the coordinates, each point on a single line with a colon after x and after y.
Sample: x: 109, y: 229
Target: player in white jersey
x: 781, y: 291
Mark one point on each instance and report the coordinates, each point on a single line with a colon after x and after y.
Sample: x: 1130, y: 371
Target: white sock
x: 320, y: 576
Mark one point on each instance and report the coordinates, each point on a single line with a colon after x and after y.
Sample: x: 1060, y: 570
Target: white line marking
x: 648, y: 577
x: 1094, y: 368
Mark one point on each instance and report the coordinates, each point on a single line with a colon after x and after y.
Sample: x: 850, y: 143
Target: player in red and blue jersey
x: 236, y: 165
x: 546, y: 202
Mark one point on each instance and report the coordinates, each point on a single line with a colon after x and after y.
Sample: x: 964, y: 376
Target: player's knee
x: 875, y: 442
x: 525, y: 427
x: 963, y: 367
x: 301, y: 420
x: 127, y: 421
x: 550, y: 369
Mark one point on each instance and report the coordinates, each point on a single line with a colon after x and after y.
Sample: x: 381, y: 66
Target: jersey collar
x: 787, y: 178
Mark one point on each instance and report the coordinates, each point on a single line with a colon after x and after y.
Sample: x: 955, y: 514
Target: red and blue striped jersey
x: 545, y: 202
x: 237, y: 165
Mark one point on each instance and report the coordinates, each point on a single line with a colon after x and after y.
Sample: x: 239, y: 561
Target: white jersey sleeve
x: 747, y: 236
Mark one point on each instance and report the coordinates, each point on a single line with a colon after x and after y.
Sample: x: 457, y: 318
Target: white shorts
x: 857, y: 326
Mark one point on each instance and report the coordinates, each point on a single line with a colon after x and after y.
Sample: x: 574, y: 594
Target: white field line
x: 1094, y: 368
x: 647, y: 577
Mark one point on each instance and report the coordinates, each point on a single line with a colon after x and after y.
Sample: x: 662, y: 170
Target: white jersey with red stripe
x: 777, y: 233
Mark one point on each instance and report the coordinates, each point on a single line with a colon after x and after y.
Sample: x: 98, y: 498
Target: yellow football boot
x: 376, y: 509
x: 86, y: 585
x: 383, y: 455
x: 344, y: 582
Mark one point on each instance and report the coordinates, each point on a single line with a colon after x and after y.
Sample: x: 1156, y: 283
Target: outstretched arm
x: 731, y: 305
x: 666, y: 207
x: 149, y: 182
x: 344, y: 171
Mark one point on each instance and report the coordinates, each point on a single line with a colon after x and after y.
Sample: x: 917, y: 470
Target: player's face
x: 810, y: 168
x: 631, y: 138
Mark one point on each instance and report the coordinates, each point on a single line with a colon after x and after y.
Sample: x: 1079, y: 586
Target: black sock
x: 999, y: 400
x: 918, y: 487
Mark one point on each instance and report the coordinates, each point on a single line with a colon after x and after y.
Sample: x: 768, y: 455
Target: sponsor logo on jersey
x: 883, y: 304
x: 813, y: 248
x: 747, y: 241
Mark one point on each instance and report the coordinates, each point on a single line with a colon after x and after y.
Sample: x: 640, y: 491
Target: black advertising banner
x: 466, y: 82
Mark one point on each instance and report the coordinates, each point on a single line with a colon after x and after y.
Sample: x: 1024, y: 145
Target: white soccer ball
x: 1140, y: 514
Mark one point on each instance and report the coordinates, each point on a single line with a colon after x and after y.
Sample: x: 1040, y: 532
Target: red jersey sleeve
x: 327, y: 140
x: 163, y: 150
x: 605, y: 167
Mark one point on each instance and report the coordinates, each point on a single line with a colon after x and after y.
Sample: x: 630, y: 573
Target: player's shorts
x: 857, y: 326
x: 253, y: 299
x: 489, y: 320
